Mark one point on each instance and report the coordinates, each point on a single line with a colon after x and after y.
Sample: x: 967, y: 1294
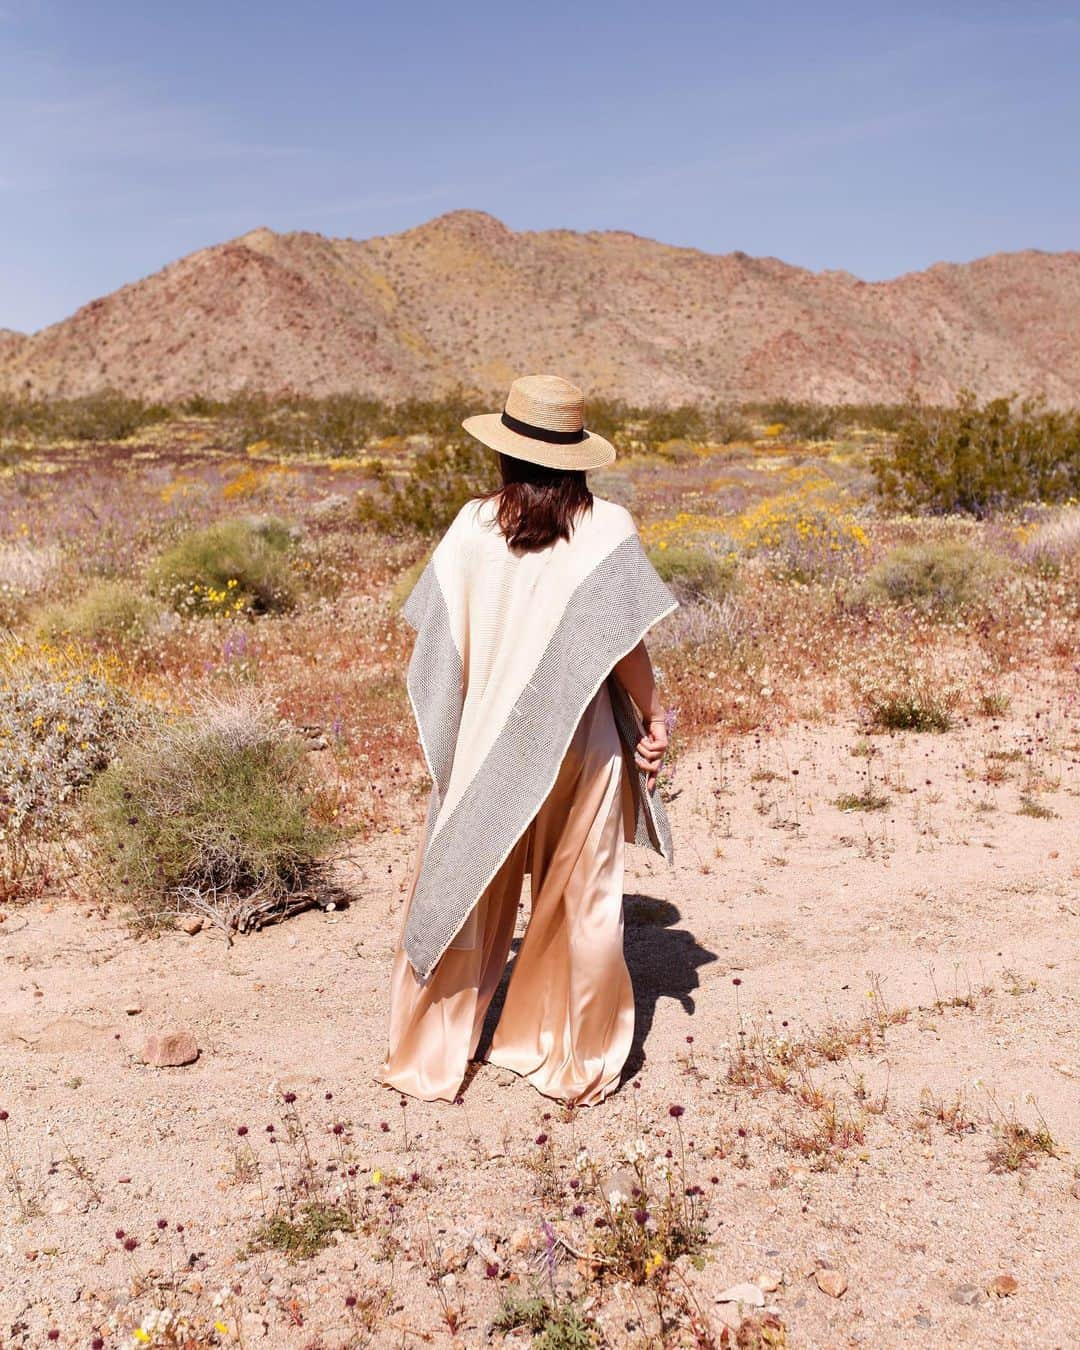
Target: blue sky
x: 872, y: 137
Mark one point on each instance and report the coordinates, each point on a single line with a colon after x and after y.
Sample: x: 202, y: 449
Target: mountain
x: 463, y: 300
x: 10, y: 342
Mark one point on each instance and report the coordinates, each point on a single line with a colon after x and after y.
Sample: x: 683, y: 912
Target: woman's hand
x: 649, y: 751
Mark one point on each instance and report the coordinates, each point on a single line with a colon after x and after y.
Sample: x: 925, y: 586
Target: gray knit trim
x: 435, y: 680
x: 608, y: 614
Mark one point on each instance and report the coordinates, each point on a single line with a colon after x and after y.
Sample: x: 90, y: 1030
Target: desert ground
x: 850, y: 1116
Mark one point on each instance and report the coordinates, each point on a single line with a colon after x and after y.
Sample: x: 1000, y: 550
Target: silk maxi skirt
x: 568, y: 1018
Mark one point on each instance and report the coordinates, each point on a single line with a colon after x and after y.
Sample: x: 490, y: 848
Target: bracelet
x: 650, y: 721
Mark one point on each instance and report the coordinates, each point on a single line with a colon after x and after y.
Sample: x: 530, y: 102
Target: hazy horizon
x: 873, y: 143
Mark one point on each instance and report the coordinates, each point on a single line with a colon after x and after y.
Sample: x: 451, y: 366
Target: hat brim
x: 591, y: 453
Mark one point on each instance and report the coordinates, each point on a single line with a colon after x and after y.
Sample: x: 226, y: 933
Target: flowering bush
x: 649, y: 1215
x: 229, y: 567
x: 61, y: 717
x: 806, y: 535
x: 904, y: 692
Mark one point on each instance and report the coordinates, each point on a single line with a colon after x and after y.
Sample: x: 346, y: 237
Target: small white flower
x: 617, y: 1198
x: 583, y: 1160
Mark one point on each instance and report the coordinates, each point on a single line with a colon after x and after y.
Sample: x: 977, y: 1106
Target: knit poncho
x: 510, y: 649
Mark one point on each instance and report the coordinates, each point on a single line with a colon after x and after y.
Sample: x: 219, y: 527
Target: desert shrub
x: 61, y: 717
x: 105, y: 416
x: 25, y: 571
x: 229, y: 567
x: 728, y: 425
x: 938, y: 576
x: 1048, y: 545
x: 978, y: 459
x: 801, y: 421
x: 331, y: 425
x: 442, y: 479
x: 108, y: 614
x: 216, y: 812
x: 906, y: 694
x: 695, y: 573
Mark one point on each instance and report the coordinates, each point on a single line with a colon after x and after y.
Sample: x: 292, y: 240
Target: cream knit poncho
x: 510, y: 649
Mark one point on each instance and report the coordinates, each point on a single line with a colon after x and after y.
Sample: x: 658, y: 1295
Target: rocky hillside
x: 464, y: 300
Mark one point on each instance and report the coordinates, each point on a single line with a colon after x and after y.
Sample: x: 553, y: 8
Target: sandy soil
x: 947, y: 909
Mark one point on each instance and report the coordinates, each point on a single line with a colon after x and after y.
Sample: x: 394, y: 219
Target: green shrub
x: 936, y: 576
x: 561, y: 1326
x: 442, y: 479
x: 105, y: 416
x: 803, y: 421
x: 695, y: 573
x: 108, y: 614
x: 899, y: 690
x: 229, y: 567
x: 216, y: 812
x: 978, y: 459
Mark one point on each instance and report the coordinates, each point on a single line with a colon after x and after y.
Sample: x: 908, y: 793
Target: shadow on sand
x: 663, y: 962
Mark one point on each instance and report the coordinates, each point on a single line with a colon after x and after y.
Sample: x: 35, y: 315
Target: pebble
x: 1004, y: 1286
x: 170, y: 1049
x: 769, y: 1281
x: 831, y: 1282
x: 1075, y: 1190
x: 749, y: 1294
x: 133, y: 1009
x: 191, y: 925
x: 967, y: 1294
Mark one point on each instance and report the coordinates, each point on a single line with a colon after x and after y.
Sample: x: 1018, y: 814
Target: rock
x: 1003, y: 1286
x: 769, y: 1281
x: 729, y: 1316
x: 133, y: 1009
x: 831, y: 1282
x: 170, y: 1049
x: 521, y: 1239
x: 1074, y: 1190
x: 749, y: 1294
x: 967, y: 1294
x: 191, y: 925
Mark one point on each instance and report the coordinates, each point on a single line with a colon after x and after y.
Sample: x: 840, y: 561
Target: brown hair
x: 538, y: 505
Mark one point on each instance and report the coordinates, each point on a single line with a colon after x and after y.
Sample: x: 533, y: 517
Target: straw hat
x: 543, y: 421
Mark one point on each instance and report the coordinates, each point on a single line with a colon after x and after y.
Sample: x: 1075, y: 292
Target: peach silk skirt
x: 568, y: 1019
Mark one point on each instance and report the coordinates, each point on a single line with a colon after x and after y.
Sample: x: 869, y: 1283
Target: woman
x: 530, y: 620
